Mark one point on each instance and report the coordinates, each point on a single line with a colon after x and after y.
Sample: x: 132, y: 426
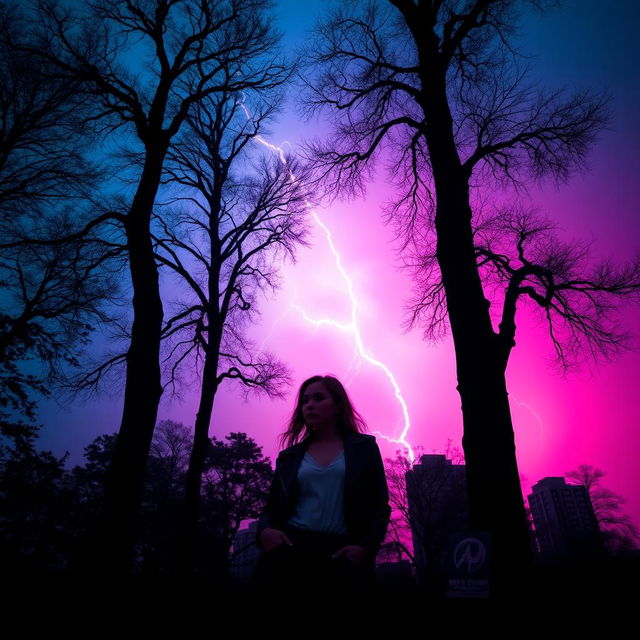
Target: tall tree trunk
x: 111, y: 549
x: 495, y: 495
x: 183, y: 561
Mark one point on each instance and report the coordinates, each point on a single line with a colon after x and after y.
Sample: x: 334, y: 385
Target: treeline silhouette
x: 46, y: 509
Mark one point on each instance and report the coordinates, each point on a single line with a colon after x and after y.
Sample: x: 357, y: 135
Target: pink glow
x: 559, y: 424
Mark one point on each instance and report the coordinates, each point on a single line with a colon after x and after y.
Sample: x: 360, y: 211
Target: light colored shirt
x: 320, y: 504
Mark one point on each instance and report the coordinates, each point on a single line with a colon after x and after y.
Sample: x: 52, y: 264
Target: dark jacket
x: 366, y: 495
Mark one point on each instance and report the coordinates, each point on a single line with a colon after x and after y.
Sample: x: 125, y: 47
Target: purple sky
x: 588, y: 418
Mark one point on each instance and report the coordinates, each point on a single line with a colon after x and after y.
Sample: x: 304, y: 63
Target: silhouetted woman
x: 328, y: 506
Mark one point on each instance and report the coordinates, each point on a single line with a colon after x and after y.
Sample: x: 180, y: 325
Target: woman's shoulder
x: 362, y: 437
x: 292, y: 449
x: 354, y: 436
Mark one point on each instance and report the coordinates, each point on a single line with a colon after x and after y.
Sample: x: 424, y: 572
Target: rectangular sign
x: 469, y: 564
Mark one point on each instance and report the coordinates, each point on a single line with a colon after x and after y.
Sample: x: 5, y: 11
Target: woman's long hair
x: 347, y: 418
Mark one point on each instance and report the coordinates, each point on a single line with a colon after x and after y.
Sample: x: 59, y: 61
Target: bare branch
x: 521, y: 249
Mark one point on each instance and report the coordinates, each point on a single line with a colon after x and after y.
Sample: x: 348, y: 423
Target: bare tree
x: 188, y: 48
x: 235, y: 220
x: 430, y: 502
x: 401, y: 525
x: 618, y: 530
x: 439, y: 86
x: 521, y: 258
x: 170, y: 445
x: 53, y: 299
x: 44, y: 142
x: 54, y: 295
x: 163, y: 497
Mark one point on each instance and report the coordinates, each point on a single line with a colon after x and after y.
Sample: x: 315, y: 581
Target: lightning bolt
x: 352, y: 326
x: 537, y: 417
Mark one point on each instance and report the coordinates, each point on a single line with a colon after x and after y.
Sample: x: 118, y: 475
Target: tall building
x: 564, y: 520
x: 437, y: 501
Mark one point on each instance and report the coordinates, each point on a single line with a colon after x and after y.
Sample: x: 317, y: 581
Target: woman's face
x: 317, y: 405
